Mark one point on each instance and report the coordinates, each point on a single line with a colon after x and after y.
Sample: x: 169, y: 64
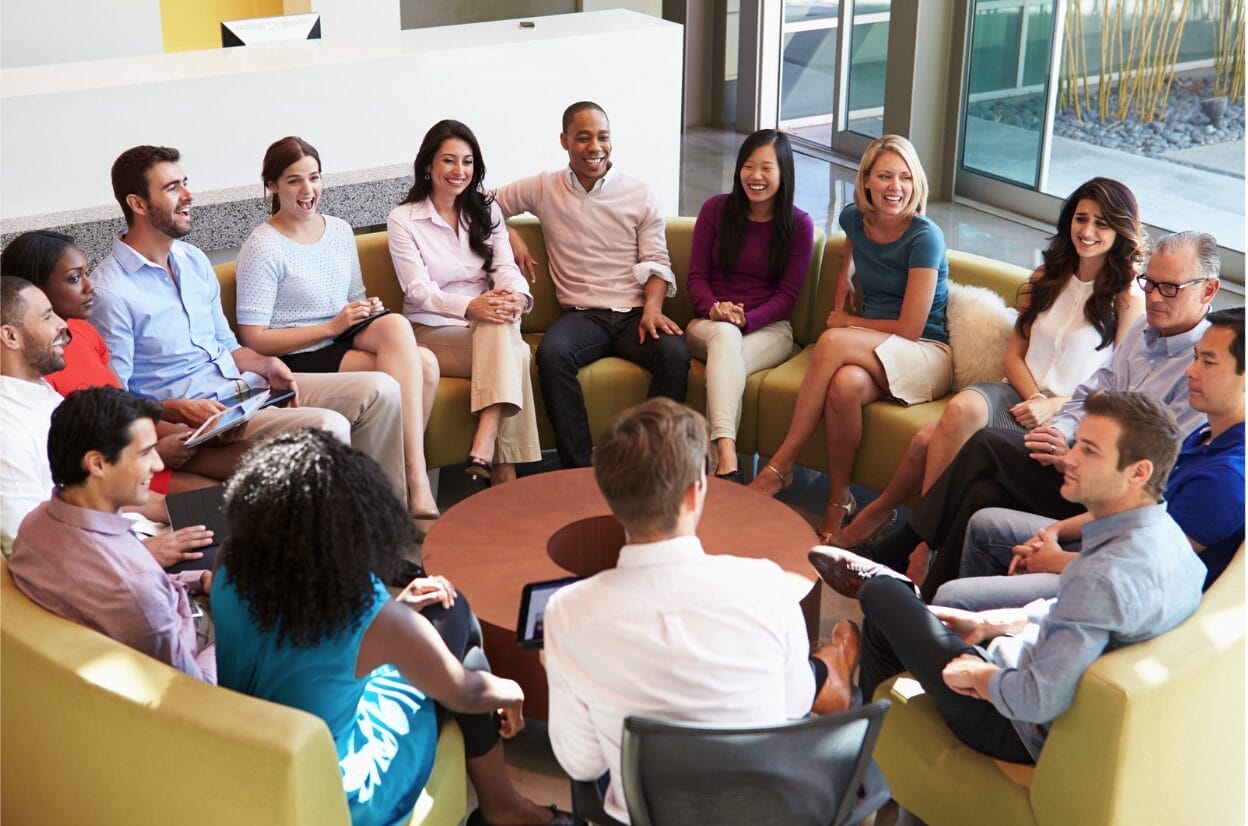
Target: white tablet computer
x: 229, y: 418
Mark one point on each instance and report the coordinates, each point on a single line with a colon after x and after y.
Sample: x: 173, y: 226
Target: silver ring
x: 1052, y: 448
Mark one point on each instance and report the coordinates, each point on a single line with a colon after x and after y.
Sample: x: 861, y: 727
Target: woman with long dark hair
x: 1074, y: 309
x: 464, y: 295
x: 301, y: 298
x: 303, y: 618
x: 750, y: 253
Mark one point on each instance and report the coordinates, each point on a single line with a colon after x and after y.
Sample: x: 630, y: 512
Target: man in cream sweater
x: 609, y: 263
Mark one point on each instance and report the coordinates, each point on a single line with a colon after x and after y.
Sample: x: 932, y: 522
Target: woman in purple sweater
x: 751, y: 249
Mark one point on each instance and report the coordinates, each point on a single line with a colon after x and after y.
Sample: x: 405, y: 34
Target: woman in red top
x: 53, y: 263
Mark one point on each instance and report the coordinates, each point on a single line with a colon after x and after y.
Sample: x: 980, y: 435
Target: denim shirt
x: 1135, y: 577
x: 1149, y: 363
x: 168, y: 337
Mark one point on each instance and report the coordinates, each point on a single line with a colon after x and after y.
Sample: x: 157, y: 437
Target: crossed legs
x: 387, y: 346
x: 844, y: 375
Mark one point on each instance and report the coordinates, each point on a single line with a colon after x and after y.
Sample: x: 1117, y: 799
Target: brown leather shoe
x: 840, y: 655
x: 845, y: 570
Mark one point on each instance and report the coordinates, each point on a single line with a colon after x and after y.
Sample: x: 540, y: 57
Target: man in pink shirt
x: 609, y: 263
x: 75, y: 554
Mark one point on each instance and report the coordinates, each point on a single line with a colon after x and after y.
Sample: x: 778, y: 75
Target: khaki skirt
x: 917, y: 371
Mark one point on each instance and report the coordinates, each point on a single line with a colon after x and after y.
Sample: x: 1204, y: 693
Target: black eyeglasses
x: 1166, y: 288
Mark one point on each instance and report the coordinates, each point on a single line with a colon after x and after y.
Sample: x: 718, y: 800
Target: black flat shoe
x: 730, y: 476
x: 405, y: 572
x: 479, y: 470
x: 561, y: 818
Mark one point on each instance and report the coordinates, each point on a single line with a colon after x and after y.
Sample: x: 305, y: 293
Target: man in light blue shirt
x: 1204, y: 495
x: 1009, y: 469
x: 158, y: 307
x: 1135, y: 578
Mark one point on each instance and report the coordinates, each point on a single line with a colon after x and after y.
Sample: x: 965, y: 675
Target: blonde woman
x: 897, y: 345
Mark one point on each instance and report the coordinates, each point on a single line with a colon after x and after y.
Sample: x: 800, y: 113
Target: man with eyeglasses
x: 1007, y: 469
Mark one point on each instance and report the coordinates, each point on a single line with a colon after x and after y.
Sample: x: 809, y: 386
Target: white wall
x: 35, y: 32
x: 362, y: 106
x: 353, y: 19
x: 654, y: 8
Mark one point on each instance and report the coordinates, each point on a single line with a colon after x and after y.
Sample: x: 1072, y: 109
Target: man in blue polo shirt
x: 158, y: 307
x: 1205, y: 494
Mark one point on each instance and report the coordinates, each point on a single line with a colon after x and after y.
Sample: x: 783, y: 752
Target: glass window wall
x: 1145, y: 91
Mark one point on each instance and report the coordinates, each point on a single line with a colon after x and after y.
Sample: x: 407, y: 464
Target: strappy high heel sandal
x: 785, y: 479
x: 850, y: 507
x: 835, y: 539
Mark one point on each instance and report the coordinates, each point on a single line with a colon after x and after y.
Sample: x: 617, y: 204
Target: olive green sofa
x: 1155, y: 735
x: 92, y: 731
x: 613, y: 384
x: 887, y: 426
x: 610, y: 384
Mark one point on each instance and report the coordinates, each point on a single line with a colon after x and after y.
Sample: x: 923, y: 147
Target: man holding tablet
x: 672, y: 631
x: 158, y: 307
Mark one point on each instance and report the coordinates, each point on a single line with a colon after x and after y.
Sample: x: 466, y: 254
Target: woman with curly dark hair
x: 1074, y: 309
x: 302, y: 618
x: 464, y: 295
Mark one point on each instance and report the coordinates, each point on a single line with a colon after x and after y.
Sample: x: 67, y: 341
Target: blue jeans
x: 581, y: 337
x: 986, y: 554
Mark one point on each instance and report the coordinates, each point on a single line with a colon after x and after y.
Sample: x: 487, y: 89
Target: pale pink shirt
x: 86, y: 566
x: 439, y: 271
x: 603, y: 245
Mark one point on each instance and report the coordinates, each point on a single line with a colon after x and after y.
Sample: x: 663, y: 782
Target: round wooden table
x: 556, y: 524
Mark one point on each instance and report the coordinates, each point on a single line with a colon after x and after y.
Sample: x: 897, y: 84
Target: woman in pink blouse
x: 464, y: 295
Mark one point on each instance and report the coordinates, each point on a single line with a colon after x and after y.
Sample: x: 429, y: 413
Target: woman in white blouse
x: 1073, y: 310
x: 301, y: 298
x: 464, y: 295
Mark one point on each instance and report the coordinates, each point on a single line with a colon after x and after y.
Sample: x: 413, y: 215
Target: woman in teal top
x: 896, y: 346
x: 302, y: 618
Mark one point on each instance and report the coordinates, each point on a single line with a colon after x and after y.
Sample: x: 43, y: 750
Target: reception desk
x: 364, y: 103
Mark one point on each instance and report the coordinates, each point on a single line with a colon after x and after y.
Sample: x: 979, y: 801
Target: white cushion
x: 979, y: 331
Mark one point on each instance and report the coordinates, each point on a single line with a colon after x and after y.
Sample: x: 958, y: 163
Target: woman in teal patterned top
x: 302, y: 618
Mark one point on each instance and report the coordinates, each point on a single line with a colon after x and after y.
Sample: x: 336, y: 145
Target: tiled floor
x: 822, y: 190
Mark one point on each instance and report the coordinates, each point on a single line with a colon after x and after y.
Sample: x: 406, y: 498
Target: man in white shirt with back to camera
x: 673, y: 632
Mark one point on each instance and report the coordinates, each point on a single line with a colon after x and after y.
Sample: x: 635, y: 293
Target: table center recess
x: 554, y: 524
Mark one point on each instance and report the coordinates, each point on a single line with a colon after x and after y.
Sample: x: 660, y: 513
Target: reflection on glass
x: 810, y: 10
x: 868, y: 61
x: 810, y: 51
x: 1007, y: 81
x: 808, y: 74
x: 1173, y: 147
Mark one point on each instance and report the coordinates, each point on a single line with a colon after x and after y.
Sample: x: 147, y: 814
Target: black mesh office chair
x: 807, y: 771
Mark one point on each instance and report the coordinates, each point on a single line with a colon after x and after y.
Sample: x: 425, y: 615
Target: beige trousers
x: 362, y: 409
x: 496, y: 360
x: 730, y: 357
